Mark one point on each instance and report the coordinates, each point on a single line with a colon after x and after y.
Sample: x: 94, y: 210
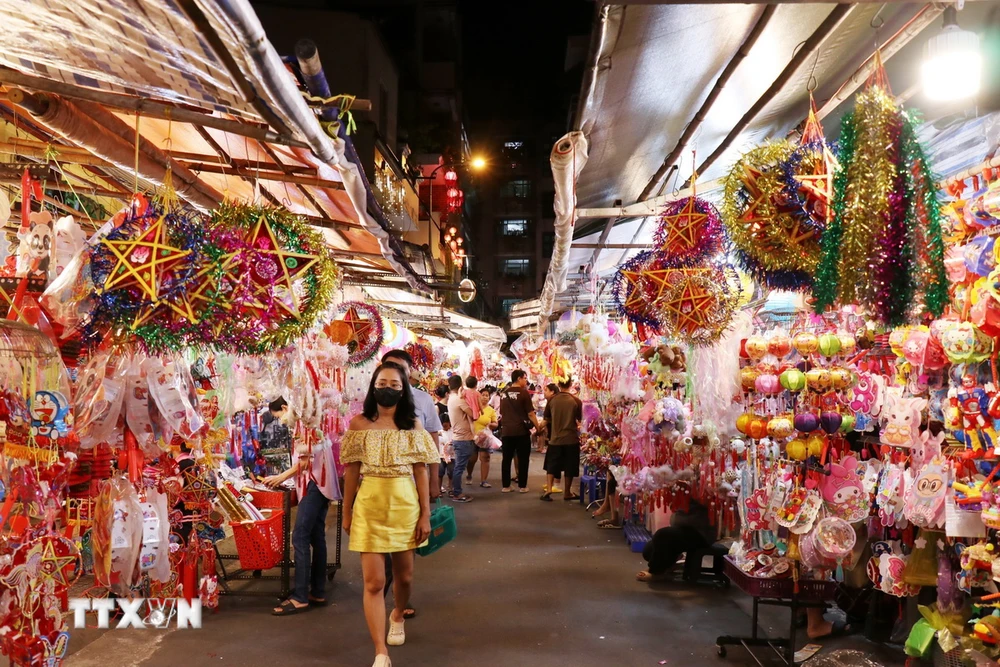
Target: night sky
x: 514, y: 59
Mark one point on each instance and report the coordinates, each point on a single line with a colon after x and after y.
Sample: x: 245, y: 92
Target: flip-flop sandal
x: 313, y: 602
x: 547, y: 497
x: 646, y: 577
x: 288, y: 608
x: 570, y: 499
x: 608, y: 524
x: 409, y: 613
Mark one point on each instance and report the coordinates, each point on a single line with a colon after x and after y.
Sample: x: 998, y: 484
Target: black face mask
x: 388, y: 397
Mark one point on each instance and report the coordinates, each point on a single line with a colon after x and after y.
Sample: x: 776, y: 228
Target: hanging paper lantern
x: 780, y: 427
x: 743, y: 422
x: 830, y: 421
x: 841, y: 378
x: 756, y: 347
x: 815, y: 444
x: 805, y: 343
x: 796, y: 450
x: 829, y: 345
x: 818, y: 380
x: 793, y: 380
x: 883, y: 249
x: 848, y: 345
x: 780, y: 345
x: 767, y: 384
x: 847, y: 425
x: 748, y: 377
x: 758, y: 428
x: 338, y: 331
x: 806, y: 422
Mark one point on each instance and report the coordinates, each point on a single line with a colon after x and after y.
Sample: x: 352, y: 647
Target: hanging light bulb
x: 453, y: 193
x: 453, y: 230
x: 952, y: 67
x: 450, y: 176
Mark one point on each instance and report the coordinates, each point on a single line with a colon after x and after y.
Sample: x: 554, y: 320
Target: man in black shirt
x: 517, y: 417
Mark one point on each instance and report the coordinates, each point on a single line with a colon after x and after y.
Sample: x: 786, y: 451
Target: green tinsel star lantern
x: 883, y: 249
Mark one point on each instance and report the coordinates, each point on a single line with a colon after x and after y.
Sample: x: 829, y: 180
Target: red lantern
x: 451, y: 176
x: 452, y: 193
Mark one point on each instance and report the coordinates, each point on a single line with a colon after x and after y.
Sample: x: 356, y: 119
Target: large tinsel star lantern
x: 699, y: 304
x: 774, y: 241
x: 883, y: 248
x: 630, y: 290
x: 141, y: 271
x: 689, y: 229
x: 809, y: 173
x: 282, y: 279
x: 362, y: 328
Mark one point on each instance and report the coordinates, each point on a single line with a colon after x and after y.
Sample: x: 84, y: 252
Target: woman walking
x: 387, y: 449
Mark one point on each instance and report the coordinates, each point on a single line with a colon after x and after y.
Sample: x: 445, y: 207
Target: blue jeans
x: 310, y: 531
x: 464, y: 450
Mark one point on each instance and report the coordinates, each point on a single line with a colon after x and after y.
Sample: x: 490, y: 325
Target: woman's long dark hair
x: 406, y: 410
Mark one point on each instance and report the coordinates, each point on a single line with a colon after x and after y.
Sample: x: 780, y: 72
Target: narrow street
x: 525, y: 583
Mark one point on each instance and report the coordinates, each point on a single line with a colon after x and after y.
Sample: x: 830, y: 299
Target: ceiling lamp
x: 953, y: 65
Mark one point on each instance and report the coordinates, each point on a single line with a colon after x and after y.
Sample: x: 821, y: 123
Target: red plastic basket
x: 260, y: 544
x: 810, y: 590
x: 268, y: 500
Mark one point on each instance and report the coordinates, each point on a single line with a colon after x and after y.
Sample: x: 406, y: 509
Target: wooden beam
x: 81, y: 158
x: 63, y: 187
x: 146, y: 107
x: 243, y: 172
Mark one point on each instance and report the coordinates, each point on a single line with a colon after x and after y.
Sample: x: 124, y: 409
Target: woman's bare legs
x: 402, y: 583
x: 373, y: 573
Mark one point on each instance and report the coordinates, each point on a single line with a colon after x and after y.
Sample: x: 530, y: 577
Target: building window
x: 548, y: 243
x: 519, y: 188
x: 507, y: 304
x: 515, y: 266
x: 513, y: 145
x: 517, y: 228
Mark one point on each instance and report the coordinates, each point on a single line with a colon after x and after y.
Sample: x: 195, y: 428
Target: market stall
x: 789, y: 322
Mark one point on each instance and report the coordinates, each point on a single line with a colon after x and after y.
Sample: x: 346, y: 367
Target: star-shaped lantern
x: 274, y: 269
x: 683, y: 229
x: 58, y: 568
x: 817, y: 170
x: 361, y: 329
x: 142, y: 262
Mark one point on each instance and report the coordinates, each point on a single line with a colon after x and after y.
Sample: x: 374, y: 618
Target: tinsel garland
x: 689, y: 229
x: 883, y: 249
x: 777, y: 244
x: 628, y: 290
x: 362, y: 351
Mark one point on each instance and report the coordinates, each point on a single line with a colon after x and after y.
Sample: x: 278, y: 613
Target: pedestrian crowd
x: 406, y: 449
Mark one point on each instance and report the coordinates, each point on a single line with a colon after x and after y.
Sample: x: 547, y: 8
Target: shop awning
x: 423, y: 315
x: 208, y: 96
x: 650, y: 72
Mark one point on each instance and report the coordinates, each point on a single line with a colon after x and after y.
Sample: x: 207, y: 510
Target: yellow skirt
x: 385, y: 516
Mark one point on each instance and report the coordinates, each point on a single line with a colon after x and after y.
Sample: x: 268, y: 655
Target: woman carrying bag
x: 386, y: 452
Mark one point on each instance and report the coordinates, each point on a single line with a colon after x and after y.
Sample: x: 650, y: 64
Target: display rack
x: 285, y: 565
x: 775, y: 592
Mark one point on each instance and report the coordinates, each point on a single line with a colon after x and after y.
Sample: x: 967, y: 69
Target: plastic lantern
x: 756, y: 347
x: 923, y: 350
x: 830, y: 421
x: 818, y: 380
x: 767, y: 384
x: 964, y: 342
x: 841, y: 378
x: 848, y: 345
x: 829, y: 345
x: 806, y: 422
x: 748, y: 376
x: 780, y: 427
x: 743, y: 422
x: 780, y: 345
x: 796, y: 450
x: 805, y: 343
x: 847, y: 424
x: 815, y: 444
x: 793, y: 380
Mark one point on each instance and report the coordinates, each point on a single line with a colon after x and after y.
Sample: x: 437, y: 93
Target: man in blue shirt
x: 427, y: 413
